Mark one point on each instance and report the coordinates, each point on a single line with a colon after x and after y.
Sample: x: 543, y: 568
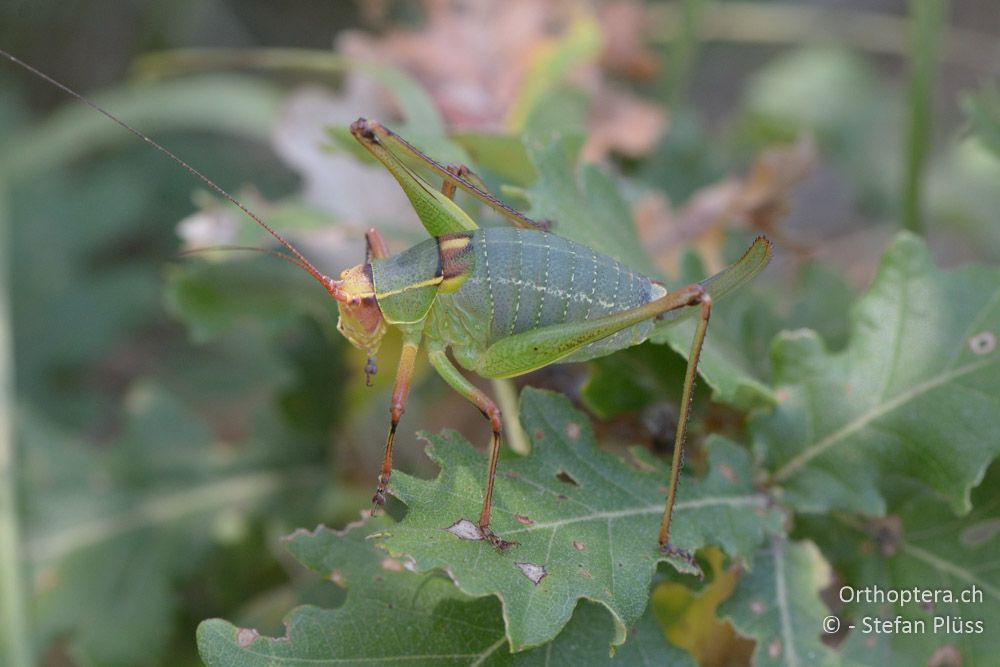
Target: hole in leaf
x: 245, y: 637
x: 565, y: 478
x: 465, y: 529
x: 981, y: 532
x: 532, y: 571
x: 392, y: 565
x: 983, y: 342
x: 945, y: 656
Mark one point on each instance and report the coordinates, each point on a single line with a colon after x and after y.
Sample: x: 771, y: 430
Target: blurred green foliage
x: 176, y: 416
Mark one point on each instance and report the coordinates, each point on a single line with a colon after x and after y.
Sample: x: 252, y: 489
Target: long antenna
x: 242, y: 248
x: 323, y: 279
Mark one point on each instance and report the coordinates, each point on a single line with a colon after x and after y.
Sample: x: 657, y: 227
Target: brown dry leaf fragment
x: 758, y: 201
x: 665, y: 231
x: 392, y: 565
x: 486, y: 63
x: 246, y: 636
x: 763, y: 198
x: 471, y: 55
x: 465, y: 529
x: 622, y: 123
x: 624, y: 24
x: 532, y: 571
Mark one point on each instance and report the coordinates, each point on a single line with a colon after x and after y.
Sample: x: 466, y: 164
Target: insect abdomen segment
x: 522, y: 280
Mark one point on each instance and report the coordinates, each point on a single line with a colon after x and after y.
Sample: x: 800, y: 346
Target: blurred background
x: 175, y: 416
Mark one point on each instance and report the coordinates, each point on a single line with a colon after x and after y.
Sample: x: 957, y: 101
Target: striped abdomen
x: 525, y: 279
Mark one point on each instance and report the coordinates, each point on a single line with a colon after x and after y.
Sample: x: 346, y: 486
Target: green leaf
x: 962, y: 197
x: 633, y: 379
x: 212, y: 297
x: 983, y: 111
x: 778, y: 605
x: 823, y: 302
x: 583, y: 202
x: 393, y: 616
x: 548, y: 66
x: 915, y: 393
x: 837, y: 96
x: 224, y: 103
x: 413, y: 101
x: 589, y: 519
x: 502, y: 154
x: 818, y: 89
x: 110, y: 531
x: 919, y: 545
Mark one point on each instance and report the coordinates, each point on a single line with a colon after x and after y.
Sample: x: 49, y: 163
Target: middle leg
x: 459, y: 383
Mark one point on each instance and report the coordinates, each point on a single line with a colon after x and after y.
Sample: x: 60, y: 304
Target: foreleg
x: 397, y: 405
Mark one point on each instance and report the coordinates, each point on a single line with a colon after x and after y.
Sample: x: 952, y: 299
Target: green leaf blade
x: 390, y: 615
x: 778, y: 605
x: 919, y: 546
x: 585, y: 521
x: 394, y: 616
x: 915, y: 393
x: 583, y: 202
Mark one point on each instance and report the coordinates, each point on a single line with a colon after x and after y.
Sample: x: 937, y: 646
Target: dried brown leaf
x: 624, y: 23
x: 471, y: 55
x: 476, y: 59
x: 623, y: 123
x: 758, y: 202
x: 763, y: 198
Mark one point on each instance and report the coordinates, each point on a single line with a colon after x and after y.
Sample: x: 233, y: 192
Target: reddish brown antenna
x: 332, y: 286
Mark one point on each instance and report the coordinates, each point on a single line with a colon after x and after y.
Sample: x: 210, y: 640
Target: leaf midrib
x: 865, y: 418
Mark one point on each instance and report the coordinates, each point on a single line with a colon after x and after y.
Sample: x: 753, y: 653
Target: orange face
x: 360, y: 318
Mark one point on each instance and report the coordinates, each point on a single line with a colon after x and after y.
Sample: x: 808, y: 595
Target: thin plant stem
x: 927, y: 21
x: 15, y: 640
x: 785, y: 24
x: 684, y: 52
